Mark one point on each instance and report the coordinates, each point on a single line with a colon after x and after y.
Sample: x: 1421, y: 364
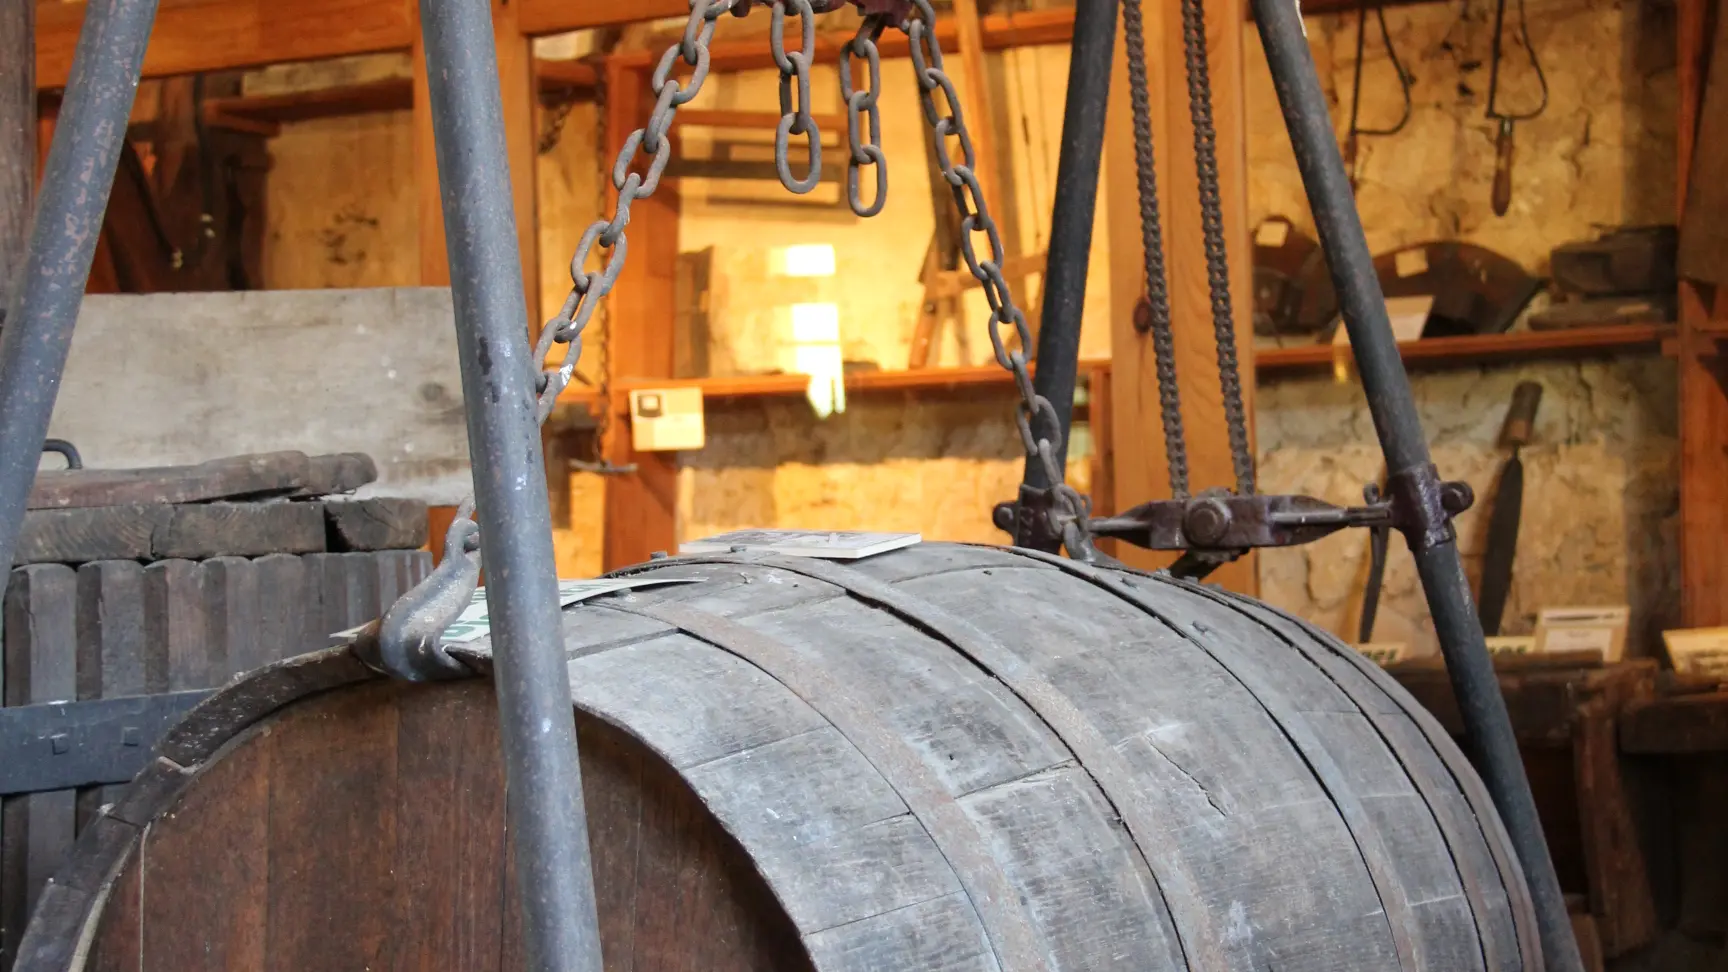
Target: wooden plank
x: 1691, y: 724
x: 1142, y: 472
x: 1703, y: 254
x: 197, y: 36
x: 198, y: 531
x: 449, y: 849
x: 539, y: 17
x: 113, y: 657
x: 342, y: 472
x: 232, y: 602
x: 330, y: 871
x: 641, y: 509
x: 97, y: 533
x: 203, y: 911
x: 40, y: 666
x: 283, y: 621
x: 177, y: 619
x: 377, y: 524
x: 17, y: 135
x: 1620, y: 895
x: 262, y: 474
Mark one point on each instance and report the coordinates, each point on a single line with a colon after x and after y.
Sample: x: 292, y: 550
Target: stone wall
x: 1600, y: 492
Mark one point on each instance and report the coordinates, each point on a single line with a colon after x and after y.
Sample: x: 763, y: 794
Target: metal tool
x: 1503, y: 146
x: 1352, y: 141
x: 1507, y: 507
x: 1379, y: 540
x: 65, y: 450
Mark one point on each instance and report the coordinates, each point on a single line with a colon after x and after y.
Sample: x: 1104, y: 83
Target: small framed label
x: 667, y: 419
x: 475, y: 621
x: 1511, y: 645
x: 829, y: 544
x: 1698, y: 651
x: 1570, y: 629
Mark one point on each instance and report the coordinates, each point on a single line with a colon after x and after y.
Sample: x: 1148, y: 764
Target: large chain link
x: 1044, y: 445
x: 1212, y: 224
x: 863, y: 117
x: 1152, y: 238
x: 795, y: 94
x: 589, y: 290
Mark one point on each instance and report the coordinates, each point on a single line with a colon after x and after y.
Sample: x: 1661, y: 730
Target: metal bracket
x: 1217, y: 526
x: 66, y: 745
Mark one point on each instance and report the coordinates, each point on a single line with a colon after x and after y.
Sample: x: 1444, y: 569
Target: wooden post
x: 17, y: 135
x: 1141, y: 469
x: 1703, y: 363
x: 641, y: 509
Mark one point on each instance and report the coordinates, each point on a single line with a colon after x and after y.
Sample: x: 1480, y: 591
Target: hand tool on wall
x: 1351, y: 142
x: 1507, y: 506
x: 1503, y: 149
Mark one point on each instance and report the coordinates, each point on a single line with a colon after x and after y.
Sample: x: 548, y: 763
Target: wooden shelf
x: 1477, y: 349
x: 924, y: 381
x: 1429, y: 354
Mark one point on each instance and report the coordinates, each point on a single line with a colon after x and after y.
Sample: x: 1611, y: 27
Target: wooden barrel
x: 943, y: 758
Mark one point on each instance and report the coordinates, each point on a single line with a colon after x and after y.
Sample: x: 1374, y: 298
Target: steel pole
x: 44, y: 306
x: 1071, y: 218
x: 1411, y: 474
x: 546, y: 814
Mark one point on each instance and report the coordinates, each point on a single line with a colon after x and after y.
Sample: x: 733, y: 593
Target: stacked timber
x: 142, y: 582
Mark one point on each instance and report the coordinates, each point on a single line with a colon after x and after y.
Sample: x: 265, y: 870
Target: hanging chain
x: 1212, y: 222
x: 1157, y: 305
x: 863, y: 116
x: 1071, y: 509
x: 795, y: 110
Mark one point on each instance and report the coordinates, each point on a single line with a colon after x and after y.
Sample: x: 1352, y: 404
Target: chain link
x: 863, y: 116
x: 1152, y: 238
x: 1212, y: 223
x: 795, y: 106
x: 1034, y: 410
x: 588, y: 290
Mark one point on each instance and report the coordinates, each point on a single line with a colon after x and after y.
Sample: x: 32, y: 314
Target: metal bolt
x: 1206, y: 520
x: 60, y: 743
x: 130, y: 737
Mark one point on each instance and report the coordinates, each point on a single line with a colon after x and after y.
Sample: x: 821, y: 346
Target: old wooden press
x: 509, y: 392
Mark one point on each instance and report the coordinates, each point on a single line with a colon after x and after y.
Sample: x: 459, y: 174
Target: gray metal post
x: 1411, y: 474
x: 1093, y: 50
x: 546, y: 813
x: 38, y: 332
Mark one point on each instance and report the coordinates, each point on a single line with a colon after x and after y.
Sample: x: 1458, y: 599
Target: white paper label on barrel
x: 830, y: 544
x: 475, y: 621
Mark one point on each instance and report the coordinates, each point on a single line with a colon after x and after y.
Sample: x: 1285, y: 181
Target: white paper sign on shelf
x: 475, y: 621
x: 1602, y: 629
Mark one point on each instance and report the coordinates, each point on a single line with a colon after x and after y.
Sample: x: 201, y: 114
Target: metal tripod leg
x: 1488, y: 728
x: 546, y: 813
x: 38, y: 333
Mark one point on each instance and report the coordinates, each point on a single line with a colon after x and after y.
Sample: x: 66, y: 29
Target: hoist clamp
x: 1218, y: 526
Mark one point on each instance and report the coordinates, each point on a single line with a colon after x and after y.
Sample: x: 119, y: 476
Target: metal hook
x: 407, y: 643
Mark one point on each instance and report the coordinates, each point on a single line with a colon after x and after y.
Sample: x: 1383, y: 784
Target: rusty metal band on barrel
x: 1401, y: 923
x: 1140, y: 812
x: 994, y: 899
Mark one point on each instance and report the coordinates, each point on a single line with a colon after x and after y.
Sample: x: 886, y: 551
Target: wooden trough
x: 945, y: 757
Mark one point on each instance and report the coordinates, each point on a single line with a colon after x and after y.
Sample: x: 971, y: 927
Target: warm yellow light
x: 807, y: 260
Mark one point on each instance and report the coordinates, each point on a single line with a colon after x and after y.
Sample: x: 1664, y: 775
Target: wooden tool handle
x: 1521, y: 417
x: 1503, y: 168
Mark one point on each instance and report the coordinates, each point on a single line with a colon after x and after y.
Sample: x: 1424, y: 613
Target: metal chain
x: 1212, y: 222
x: 1072, y: 508
x: 603, y: 339
x: 1152, y: 238
x: 588, y: 290
x: 861, y: 105
x: 795, y: 111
